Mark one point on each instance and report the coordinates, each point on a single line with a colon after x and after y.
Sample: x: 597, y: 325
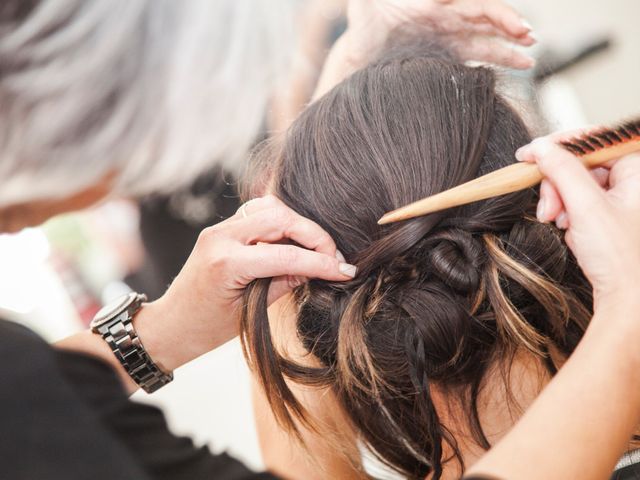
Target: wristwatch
x: 114, y: 322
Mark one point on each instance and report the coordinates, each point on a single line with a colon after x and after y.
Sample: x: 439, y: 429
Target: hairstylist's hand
x: 584, y: 418
x: 600, y: 211
x: 199, y: 310
x: 483, y: 30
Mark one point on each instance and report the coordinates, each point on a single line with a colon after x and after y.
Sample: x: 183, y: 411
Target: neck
x: 506, y: 393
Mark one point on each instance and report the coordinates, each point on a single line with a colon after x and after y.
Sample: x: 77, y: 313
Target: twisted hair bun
x: 437, y: 299
x: 456, y: 258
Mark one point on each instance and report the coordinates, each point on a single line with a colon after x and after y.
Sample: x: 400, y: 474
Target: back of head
x: 437, y: 300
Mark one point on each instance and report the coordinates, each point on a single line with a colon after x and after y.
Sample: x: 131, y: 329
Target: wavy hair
x: 438, y: 300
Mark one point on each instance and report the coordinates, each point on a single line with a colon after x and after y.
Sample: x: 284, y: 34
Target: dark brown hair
x: 437, y: 300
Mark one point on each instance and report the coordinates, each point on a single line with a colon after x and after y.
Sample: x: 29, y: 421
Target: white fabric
x: 374, y: 467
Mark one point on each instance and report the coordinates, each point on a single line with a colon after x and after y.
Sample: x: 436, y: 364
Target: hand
x: 559, y: 432
x: 482, y: 30
x: 199, y: 310
x: 600, y: 211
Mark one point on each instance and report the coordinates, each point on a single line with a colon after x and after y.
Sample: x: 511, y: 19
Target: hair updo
x: 437, y: 299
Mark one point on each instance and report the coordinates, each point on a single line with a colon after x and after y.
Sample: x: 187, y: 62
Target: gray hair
x: 157, y: 90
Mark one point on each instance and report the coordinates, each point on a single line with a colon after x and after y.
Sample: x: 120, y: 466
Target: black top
x: 65, y: 416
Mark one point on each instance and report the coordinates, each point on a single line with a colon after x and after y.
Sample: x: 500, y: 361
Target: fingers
x: 479, y: 26
x: 268, y: 219
x: 624, y: 178
x: 551, y: 208
x: 500, y: 15
x: 281, y: 223
x: 266, y: 260
x: 483, y: 22
x: 495, y: 51
x: 244, y: 250
x: 255, y: 205
x: 265, y: 220
x: 504, y: 17
x: 550, y: 204
x: 579, y: 191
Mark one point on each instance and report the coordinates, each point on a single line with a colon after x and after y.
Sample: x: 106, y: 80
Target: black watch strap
x: 121, y: 336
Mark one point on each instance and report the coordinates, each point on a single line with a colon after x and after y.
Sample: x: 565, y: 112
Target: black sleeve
x: 47, y: 432
x: 630, y: 472
x: 143, y: 430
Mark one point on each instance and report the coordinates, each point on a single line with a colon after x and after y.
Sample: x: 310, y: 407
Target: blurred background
x: 55, y: 278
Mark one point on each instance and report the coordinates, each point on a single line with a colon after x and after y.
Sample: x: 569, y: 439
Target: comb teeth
x: 633, y: 127
x: 596, y: 140
x: 573, y: 148
x: 593, y: 141
x: 602, y: 136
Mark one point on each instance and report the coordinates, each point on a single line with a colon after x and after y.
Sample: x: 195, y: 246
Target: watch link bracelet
x: 114, y: 322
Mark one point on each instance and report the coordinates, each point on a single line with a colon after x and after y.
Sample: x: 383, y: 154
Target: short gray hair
x: 158, y: 90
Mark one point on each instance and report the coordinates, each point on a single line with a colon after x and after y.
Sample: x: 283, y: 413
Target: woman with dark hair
x: 455, y: 321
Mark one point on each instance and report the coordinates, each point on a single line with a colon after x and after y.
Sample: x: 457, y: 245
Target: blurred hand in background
x: 481, y: 30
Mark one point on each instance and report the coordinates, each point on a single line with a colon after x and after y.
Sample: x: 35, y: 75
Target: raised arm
x: 199, y: 310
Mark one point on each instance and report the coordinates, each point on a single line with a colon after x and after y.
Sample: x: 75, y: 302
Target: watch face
x: 112, y: 309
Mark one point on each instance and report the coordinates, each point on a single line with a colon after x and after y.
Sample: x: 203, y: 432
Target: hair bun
x: 456, y: 257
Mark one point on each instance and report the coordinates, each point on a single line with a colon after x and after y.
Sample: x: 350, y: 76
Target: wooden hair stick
x: 593, y: 148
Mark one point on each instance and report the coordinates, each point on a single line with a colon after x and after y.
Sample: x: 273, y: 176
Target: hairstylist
x: 64, y: 411
x: 582, y: 422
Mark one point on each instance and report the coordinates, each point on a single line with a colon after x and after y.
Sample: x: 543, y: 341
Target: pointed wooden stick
x: 505, y: 180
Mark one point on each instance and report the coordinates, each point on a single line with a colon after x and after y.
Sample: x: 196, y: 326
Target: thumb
x: 583, y: 198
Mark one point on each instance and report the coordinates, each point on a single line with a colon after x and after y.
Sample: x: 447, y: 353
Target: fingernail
x: 340, y: 256
x: 562, y: 221
x: 347, y: 269
x: 520, y: 154
x: 540, y: 212
x: 526, y: 24
x: 533, y: 37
